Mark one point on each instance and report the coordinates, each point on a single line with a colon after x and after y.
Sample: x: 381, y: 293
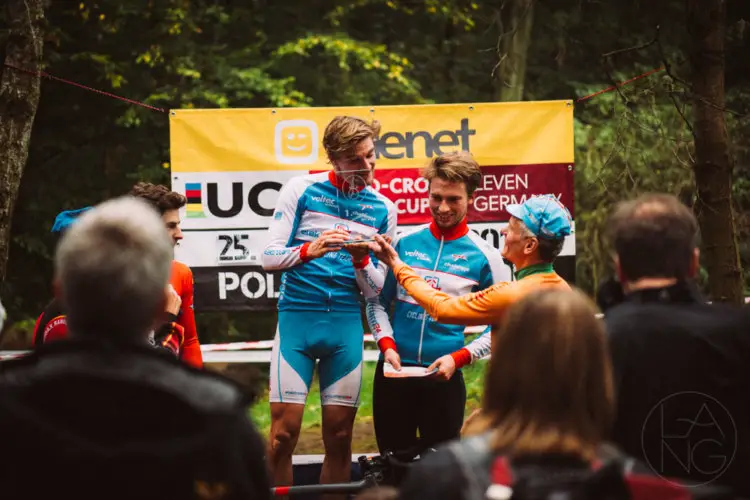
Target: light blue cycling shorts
x: 336, y: 339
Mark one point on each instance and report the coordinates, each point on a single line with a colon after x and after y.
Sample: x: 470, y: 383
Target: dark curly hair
x: 160, y: 197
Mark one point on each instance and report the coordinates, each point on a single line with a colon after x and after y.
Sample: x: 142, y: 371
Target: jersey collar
x: 541, y: 268
x: 342, y: 185
x: 452, y: 233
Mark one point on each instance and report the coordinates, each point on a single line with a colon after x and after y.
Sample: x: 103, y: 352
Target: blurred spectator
x: 104, y: 415
x: 681, y: 364
x: 548, y: 405
x: 378, y: 493
x: 2, y: 316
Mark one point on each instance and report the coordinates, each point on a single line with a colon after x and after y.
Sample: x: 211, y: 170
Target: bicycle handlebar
x: 354, y: 487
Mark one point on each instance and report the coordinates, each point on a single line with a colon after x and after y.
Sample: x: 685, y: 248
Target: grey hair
x: 114, y: 265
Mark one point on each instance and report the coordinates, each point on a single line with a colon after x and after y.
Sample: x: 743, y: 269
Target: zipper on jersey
x: 424, y: 316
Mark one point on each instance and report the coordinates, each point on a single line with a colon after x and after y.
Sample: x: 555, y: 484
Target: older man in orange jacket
x: 534, y: 237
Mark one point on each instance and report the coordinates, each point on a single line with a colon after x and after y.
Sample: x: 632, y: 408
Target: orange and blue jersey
x: 51, y: 324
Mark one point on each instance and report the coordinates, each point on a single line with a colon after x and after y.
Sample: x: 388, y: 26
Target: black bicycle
x: 387, y: 469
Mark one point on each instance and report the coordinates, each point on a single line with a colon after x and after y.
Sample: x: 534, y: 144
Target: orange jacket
x: 182, y: 282
x: 485, y: 307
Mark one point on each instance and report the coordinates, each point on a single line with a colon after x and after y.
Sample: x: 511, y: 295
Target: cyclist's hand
x: 392, y: 357
x: 445, y: 367
x: 358, y: 251
x: 384, y: 251
x: 174, y: 301
x: 330, y: 240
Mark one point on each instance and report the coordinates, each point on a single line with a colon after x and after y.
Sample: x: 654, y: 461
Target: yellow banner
x: 519, y: 133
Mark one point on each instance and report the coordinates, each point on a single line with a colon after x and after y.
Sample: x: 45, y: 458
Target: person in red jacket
x: 52, y: 324
x: 168, y: 203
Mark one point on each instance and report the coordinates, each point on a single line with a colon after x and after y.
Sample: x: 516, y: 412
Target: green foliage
x: 203, y: 54
x: 623, y: 151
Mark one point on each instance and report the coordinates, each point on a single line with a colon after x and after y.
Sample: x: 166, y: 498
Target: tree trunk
x: 19, y: 97
x: 514, y: 49
x: 713, y: 162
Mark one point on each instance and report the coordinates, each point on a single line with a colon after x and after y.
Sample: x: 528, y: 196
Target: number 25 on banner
x: 232, y: 249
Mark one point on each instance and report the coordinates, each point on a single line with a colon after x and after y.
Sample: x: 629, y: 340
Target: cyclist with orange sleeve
x: 168, y: 204
x: 534, y: 237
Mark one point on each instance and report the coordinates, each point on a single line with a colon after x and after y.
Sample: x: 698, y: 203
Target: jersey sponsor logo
x: 371, y: 283
x: 433, y: 281
x: 55, y: 329
x: 418, y: 316
x: 459, y: 256
x: 278, y: 215
x: 325, y: 200
x: 279, y: 251
x: 418, y: 255
x: 363, y: 206
x: 456, y: 267
x: 309, y: 232
x: 356, y: 216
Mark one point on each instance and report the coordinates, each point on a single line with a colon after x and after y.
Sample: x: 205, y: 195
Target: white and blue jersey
x: 319, y: 299
x: 307, y: 206
x: 458, y: 262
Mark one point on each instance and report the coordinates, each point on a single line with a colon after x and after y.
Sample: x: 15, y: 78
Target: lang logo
x: 296, y: 142
x: 341, y: 225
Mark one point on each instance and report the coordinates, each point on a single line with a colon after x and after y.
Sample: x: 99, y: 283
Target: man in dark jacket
x: 104, y: 415
x: 681, y: 364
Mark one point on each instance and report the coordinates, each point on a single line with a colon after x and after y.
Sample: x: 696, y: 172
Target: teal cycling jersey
x: 307, y: 206
x: 457, y: 261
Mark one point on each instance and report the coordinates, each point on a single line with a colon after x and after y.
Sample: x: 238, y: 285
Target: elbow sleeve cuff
x: 462, y: 357
x: 386, y: 343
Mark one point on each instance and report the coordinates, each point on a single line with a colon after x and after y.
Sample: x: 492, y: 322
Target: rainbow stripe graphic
x: 194, y: 200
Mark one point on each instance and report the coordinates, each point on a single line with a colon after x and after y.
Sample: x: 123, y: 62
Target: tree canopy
x: 86, y: 147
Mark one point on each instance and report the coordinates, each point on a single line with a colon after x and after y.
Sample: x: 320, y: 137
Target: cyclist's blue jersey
x: 307, y: 206
x: 458, y: 262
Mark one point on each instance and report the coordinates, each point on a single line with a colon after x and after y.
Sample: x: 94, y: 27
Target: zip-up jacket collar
x: 452, y: 233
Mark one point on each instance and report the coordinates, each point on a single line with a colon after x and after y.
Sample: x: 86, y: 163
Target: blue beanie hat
x: 66, y: 218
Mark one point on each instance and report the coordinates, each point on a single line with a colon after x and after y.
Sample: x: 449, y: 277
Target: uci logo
x: 226, y: 210
x: 296, y: 142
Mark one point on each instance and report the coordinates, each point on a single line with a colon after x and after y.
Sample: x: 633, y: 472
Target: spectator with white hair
x: 103, y: 414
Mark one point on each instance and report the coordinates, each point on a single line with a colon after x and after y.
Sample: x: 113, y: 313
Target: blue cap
x: 64, y: 219
x: 544, y: 215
